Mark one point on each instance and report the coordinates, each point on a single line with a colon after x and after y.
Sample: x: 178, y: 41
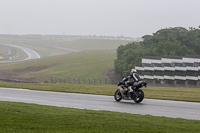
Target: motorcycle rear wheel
x: 118, y: 96
x: 139, y: 96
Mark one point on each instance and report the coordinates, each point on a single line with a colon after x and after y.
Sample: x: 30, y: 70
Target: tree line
x: 176, y: 41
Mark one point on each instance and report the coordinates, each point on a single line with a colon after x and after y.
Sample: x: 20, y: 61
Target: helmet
x: 133, y: 70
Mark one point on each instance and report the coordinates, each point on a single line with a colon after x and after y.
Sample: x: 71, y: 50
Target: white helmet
x: 133, y: 70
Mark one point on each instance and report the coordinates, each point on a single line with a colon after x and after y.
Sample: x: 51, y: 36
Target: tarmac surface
x: 30, y: 53
x: 167, y: 108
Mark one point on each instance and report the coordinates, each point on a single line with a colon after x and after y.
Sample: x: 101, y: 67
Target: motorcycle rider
x: 133, y: 75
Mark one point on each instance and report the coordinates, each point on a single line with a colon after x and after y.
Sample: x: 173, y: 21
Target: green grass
x: 91, y: 64
x: 168, y: 93
x: 3, y: 50
x: 174, y: 93
x: 25, y: 118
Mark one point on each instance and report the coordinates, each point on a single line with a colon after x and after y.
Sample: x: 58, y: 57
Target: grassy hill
x: 96, y: 57
x: 3, y: 51
x: 81, y: 65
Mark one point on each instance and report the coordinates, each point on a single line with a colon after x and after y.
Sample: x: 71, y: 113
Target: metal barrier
x: 80, y: 81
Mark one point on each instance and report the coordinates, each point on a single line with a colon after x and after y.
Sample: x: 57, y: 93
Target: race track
x: 175, y: 109
x: 30, y: 53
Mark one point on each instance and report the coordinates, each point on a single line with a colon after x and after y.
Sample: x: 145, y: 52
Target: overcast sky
x: 133, y: 18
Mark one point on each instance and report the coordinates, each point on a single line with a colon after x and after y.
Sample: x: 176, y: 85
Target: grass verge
x: 167, y: 93
x: 25, y: 118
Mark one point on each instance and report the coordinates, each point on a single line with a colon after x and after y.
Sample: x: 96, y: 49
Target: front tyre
x: 118, y: 95
x: 139, y: 96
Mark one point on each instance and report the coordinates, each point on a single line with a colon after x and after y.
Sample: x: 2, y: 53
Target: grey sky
x: 133, y: 18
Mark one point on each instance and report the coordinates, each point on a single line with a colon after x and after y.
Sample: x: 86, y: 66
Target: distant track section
x: 31, y: 53
x: 52, y: 47
x: 10, y: 51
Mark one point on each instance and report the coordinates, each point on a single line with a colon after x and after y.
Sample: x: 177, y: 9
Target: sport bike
x: 131, y: 92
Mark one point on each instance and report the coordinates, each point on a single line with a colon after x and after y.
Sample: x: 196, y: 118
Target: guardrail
x: 16, y: 81
x: 81, y: 81
x: 54, y: 79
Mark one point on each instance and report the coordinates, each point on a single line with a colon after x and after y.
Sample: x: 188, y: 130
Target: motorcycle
x: 133, y: 91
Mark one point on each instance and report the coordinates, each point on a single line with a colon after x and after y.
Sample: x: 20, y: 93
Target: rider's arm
x: 136, y: 77
x: 126, y: 79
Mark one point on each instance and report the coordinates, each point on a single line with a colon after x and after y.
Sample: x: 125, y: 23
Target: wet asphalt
x: 167, y: 108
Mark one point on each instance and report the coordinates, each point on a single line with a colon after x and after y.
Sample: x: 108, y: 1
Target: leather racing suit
x: 127, y: 82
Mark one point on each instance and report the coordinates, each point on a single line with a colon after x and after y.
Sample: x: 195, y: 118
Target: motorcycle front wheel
x: 139, y: 96
x: 118, y: 95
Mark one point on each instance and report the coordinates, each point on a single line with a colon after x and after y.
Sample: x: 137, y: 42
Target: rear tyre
x: 118, y: 96
x: 139, y: 96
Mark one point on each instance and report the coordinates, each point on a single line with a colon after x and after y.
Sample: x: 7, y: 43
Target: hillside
x: 81, y: 65
x: 62, y: 58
